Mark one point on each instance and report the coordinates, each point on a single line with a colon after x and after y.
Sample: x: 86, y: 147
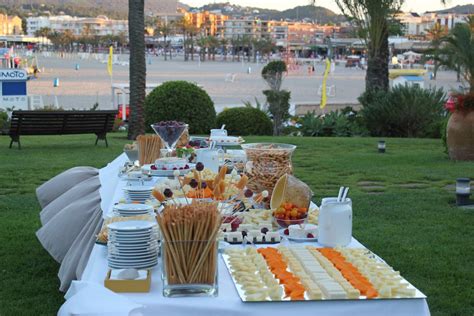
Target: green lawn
x: 403, y: 211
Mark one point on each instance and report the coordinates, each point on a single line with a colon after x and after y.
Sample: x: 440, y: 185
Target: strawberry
x: 286, y: 231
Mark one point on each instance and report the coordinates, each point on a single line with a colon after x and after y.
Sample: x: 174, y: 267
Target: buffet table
x: 227, y: 302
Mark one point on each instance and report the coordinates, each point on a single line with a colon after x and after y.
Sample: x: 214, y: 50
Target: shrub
x: 181, y: 101
x: 403, y: 112
x: 245, y: 121
x: 341, y: 124
x: 3, y: 121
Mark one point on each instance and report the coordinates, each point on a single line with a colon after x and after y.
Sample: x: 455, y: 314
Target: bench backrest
x: 61, y: 122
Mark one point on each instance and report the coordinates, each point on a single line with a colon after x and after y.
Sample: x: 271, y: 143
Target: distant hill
x: 118, y: 9
x: 459, y: 9
x: 299, y: 13
x: 112, y: 8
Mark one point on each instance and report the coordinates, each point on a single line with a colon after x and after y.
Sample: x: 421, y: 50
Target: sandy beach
x: 80, y: 89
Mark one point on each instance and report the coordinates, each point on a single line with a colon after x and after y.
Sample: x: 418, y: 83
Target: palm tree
x: 373, y: 17
x: 193, y: 31
x: 165, y: 30
x: 136, y: 27
x: 213, y: 43
x: 224, y: 43
x: 458, y: 52
x: 435, y: 33
x: 235, y: 42
x: 43, y: 32
x: 203, y: 44
x: 183, y: 26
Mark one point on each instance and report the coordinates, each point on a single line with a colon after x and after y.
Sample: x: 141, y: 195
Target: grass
x: 415, y: 228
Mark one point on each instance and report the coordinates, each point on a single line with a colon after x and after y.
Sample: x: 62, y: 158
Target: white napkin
x: 109, y: 180
x: 92, y: 299
x: 114, y: 274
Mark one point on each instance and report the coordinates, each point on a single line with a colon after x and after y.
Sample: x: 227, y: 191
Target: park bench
x: 61, y: 123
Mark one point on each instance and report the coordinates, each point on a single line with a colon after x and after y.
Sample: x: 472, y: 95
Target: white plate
x: 138, y: 188
x: 136, y: 266
x: 116, y: 252
x: 166, y: 173
x: 130, y: 260
x: 143, y: 178
x: 132, y: 233
x: 131, y: 226
x: 129, y: 256
x: 133, y: 207
x: 132, y: 251
x: 282, y: 233
x: 134, y: 239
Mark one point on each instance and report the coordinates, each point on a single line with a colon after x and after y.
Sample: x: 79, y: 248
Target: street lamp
x: 463, y: 191
x: 381, y: 146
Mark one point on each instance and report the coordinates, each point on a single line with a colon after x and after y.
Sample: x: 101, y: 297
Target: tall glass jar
x: 189, y: 268
x: 266, y: 163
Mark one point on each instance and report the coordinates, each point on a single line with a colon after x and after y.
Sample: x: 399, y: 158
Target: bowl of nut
x: 266, y: 163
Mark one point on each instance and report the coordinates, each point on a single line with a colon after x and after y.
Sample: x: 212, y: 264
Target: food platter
x: 295, y: 239
x: 146, y: 169
x: 246, y: 281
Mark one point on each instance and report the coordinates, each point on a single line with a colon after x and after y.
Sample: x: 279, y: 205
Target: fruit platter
x: 307, y: 273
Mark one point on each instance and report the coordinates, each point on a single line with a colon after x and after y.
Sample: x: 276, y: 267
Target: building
x: 99, y: 26
x: 10, y: 25
x: 208, y: 23
x: 417, y: 25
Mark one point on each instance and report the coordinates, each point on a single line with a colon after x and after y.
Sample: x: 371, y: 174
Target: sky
x: 419, y: 6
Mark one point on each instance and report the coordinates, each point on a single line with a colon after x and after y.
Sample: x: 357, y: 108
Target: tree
x: 224, y: 42
x: 458, y: 52
x: 213, y: 43
x: 193, y: 31
x: 372, y: 17
x: 203, y: 45
x: 278, y: 100
x: 136, y: 27
x: 165, y: 30
x: 436, y: 33
x: 183, y: 25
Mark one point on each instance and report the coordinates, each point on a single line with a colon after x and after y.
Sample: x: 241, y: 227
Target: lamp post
x: 381, y: 146
x: 463, y: 191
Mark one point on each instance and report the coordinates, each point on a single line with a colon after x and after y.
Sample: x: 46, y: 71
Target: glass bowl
x: 284, y: 223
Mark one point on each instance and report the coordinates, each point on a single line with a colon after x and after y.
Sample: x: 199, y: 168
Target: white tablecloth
x: 228, y: 301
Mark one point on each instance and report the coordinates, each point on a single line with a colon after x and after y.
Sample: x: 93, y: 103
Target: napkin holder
x: 128, y: 286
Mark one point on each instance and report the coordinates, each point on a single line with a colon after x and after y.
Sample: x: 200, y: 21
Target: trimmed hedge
x: 181, y: 101
x: 245, y: 121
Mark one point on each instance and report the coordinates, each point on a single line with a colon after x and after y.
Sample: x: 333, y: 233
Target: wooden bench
x: 61, y: 123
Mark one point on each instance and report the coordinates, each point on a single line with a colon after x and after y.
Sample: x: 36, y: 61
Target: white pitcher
x: 335, y: 223
x: 211, y: 158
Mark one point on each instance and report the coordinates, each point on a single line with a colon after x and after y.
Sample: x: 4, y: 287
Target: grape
x: 193, y: 183
x: 199, y: 166
x: 168, y: 193
x: 248, y: 193
x: 203, y: 185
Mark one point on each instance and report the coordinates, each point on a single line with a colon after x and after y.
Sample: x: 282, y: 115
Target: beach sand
x: 80, y: 89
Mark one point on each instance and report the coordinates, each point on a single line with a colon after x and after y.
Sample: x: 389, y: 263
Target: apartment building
x: 417, y: 25
x: 208, y: 23
x: 99, y: 26
x: 10, y: 25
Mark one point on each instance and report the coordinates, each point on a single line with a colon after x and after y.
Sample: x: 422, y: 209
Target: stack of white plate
x: 126, y: 210
x: 138, y: 193
x: 132, y: 244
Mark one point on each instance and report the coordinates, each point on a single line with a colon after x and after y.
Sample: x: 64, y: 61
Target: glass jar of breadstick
x: 266, y: 163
